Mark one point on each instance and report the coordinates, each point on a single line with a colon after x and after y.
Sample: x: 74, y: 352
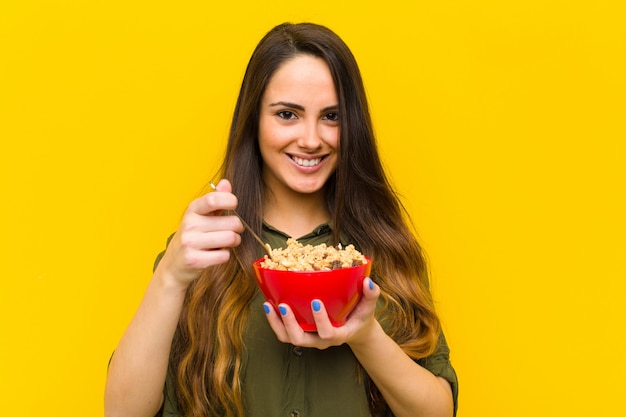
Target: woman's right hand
x: 204, y: 236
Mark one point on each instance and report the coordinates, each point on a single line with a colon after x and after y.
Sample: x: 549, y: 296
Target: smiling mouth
x: 306, y: 162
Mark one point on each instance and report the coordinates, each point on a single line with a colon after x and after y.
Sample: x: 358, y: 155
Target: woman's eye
x: 332, y: 117
x: 286, y: 114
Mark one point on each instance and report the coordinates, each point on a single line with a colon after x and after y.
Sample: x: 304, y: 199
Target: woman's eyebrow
x: 334, y: 107
x: 287, y: 104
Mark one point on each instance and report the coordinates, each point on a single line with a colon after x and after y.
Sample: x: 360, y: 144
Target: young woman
x: 301, y: 162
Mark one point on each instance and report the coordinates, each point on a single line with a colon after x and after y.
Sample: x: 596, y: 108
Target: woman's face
x: 299, y: 126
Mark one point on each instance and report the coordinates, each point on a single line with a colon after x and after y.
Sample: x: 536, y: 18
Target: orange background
x: 501, y: 124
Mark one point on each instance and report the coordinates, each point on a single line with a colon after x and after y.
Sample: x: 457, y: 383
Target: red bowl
x: 339, y: 289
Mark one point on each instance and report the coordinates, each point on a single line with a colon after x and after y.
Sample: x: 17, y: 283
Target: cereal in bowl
x: 298, y: 257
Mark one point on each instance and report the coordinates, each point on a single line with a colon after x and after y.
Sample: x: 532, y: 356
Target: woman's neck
x: 295, y: 214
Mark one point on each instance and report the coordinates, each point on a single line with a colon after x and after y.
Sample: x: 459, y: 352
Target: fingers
x: 204, y: 228
x: 214, y: 202
x: 224, y: 186
x: 276, y: 322
x: 197, y: 260
x: 325, y: 329
x: 371, y: 291
x: 193, y: 222
x: 209, y: 240
x: 367, y: 305
x: 287, y: 329
x: 192, y: 251
x: 204, y: 236
x: 208, y: 232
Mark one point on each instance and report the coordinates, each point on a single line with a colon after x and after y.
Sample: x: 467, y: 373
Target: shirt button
x: 297, y: 350
x: 294, y: 413
x: 322, y: 229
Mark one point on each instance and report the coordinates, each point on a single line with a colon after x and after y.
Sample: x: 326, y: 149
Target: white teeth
x: 306, y: 162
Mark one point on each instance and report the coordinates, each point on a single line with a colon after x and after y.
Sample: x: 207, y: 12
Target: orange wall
x: 502, y: 123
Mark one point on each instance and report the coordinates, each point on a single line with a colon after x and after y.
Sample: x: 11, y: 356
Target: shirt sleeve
x: 160, y: 255
x: 170, y: 406
x: 439, y: 365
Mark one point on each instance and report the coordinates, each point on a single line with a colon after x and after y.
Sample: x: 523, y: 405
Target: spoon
x: 266, y: 246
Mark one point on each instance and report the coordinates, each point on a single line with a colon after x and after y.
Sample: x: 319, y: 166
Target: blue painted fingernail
x: 316, y: 305
x: 266, y: 308
x: 371, y: 283
x: 283, y: 310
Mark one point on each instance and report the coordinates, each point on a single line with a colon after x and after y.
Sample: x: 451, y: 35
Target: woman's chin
x: 307, y: 187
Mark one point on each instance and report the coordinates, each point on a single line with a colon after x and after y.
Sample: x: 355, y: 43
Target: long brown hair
x: 207, y: 348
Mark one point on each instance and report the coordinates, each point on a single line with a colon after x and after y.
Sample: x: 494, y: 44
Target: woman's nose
x: 310, y: 137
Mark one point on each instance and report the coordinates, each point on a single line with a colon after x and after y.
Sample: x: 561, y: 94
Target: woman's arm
x: 138, y: 368
x: 409, y: 389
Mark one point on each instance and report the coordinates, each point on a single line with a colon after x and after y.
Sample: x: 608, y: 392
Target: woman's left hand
x: 359, y: 323
x: 408, y: 389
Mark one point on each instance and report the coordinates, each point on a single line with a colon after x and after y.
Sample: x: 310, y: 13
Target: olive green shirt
x: 280, y: 379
